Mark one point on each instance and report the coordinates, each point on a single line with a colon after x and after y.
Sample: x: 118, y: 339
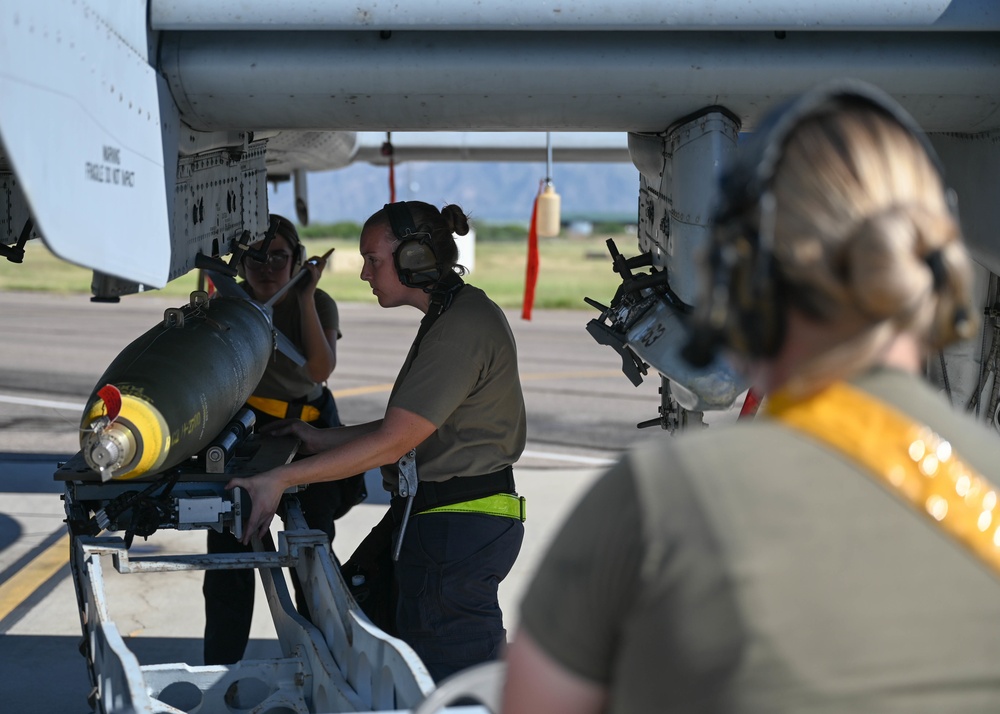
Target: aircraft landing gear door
x: 82, y: 128
x: 678, y: 172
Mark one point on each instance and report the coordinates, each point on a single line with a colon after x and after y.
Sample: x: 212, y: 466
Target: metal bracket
x: 407, y: 489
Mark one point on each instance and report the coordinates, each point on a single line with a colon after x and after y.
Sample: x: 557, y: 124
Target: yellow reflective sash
x: 279, y: 409
x: 499, y: 504
x: 909, y: 459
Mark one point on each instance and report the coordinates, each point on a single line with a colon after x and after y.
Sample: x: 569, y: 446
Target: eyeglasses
x: 275, y: 261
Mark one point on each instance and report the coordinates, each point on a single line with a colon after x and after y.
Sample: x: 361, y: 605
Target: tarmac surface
x: 582, y: 413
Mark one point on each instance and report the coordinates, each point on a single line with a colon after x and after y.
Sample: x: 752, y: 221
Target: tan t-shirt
x: 464, y: 380
x: 751, y: 569
x: 283, y: 379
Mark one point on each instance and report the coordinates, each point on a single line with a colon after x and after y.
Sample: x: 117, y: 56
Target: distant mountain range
x: 495, y: 192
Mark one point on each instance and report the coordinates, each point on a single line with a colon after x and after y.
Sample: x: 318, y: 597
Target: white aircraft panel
x: 966, y: 15
x: 80, y: 122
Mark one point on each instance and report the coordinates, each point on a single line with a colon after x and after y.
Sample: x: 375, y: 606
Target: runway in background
x: 581, y: 410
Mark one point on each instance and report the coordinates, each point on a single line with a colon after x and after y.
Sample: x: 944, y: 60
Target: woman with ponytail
x: 840, y: 552
x: 455, y: 422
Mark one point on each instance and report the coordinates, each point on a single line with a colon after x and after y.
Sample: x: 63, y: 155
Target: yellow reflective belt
x: 279, y: 409
x: 908, y: 458
x: 500, y: 504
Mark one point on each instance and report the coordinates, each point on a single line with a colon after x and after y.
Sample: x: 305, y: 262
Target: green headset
x: 287, y: 230
x: 744, y: 307
x: 280, y: 225
x: 416, y: 262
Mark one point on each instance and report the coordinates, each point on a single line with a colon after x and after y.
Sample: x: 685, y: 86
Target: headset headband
x: 743, y: 305
x: 749, y: 178
x: 401, y: 220
x: 286, y: 229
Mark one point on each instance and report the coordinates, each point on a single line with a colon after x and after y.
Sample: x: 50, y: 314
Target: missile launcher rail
x: 189, y: 496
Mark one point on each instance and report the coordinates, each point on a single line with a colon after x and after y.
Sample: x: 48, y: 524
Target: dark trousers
x: 448, y: 573
x: 229, y: 594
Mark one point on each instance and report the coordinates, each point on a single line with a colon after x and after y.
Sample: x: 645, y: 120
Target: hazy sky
x: 488, y: 191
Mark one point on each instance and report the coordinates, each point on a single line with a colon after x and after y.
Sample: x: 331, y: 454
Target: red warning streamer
x: 531, y: 276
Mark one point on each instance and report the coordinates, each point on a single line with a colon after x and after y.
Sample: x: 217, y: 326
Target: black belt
x: 431, y: 494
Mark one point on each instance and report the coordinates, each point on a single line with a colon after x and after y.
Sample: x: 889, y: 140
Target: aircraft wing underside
x: 113, y: 110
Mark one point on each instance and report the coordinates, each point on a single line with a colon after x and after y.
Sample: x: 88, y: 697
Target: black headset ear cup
x: 416, y: 263
x: 758, y: 329
x: 414, y: 257
x: 742, y: 307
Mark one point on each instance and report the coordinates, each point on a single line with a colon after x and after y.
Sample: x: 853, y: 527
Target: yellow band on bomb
x: 155, y: 437
x: 148, y: 431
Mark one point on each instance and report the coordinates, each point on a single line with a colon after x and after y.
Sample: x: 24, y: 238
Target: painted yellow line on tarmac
x: 530, y: 377
x: 29, y: 578
x: 371, y: 389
